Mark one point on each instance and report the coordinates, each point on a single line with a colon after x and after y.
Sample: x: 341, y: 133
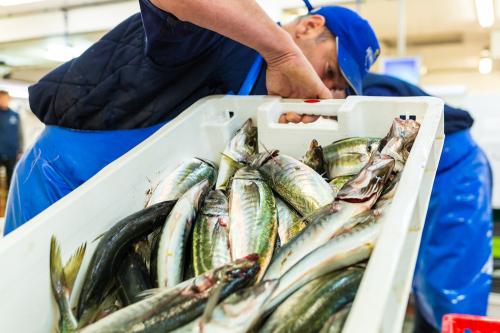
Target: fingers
x: 295, y: 118
x: 309, y: 118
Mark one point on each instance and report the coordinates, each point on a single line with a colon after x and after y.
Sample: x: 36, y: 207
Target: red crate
x: 457, y: 323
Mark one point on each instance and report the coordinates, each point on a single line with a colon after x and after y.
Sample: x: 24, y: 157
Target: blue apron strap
x: 308, y: 5
x: 251, y: 79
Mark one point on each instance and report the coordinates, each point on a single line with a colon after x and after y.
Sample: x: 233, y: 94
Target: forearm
x: 241, y: 20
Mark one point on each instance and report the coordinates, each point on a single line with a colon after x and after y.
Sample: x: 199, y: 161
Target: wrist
x: 280, y: 48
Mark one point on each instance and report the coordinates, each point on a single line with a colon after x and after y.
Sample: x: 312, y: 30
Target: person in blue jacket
x: 155, y: 64
x: 11, y: 140
x: 454, y: 266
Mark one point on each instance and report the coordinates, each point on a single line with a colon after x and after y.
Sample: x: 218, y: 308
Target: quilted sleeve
x: 171, y: 42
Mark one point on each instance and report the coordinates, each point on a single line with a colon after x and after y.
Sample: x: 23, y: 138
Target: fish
x: 399, y: 141
x: 132, y: 278
x: 307, y: 309
x: 356, y: 197
x: 314, y: 158
x: 290, y: 223
x: 154, y: 240
x: 389, y: 191
x: 173, y: 239
x: 211, y: 234
x: 237, y: 153
x: 239, y: 312
x: 252, y: 211
x: 337, y: 321
x: 339, y: 182
x: 185, y: 176
x: 113, y: 246
x: 62, y: 280
x: 347, y: 157
x: 296, y: 183
x: 342, y: 251
x: 170, y: 308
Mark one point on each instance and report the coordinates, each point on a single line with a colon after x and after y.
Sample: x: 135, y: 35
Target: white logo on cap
x: 369, y: 58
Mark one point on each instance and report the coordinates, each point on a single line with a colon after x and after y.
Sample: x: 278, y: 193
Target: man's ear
x: 311, y: 25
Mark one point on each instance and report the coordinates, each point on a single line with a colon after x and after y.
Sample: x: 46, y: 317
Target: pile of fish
x: 264, y: 243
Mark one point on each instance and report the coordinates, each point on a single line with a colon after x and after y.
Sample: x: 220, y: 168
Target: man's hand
x: 291, y: 75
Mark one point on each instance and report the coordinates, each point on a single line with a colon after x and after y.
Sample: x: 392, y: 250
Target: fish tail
x: 60, y: 288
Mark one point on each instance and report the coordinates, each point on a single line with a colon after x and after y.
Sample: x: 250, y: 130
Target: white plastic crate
x: 26, y: 303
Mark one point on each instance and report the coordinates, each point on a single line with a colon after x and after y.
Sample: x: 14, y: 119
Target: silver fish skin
x: 290, y: 223
x: 252, y: 211
x: 348, y: 156
x: 211, y: 233
x: 237, y: 153
x: 344, y: 250
x: 356, y: 197
x: 307, y: 309
x: 296, y: 183
x: 182, y: 178
x: 173, y: 238
x: 239, y: 312
x: 170, y: 308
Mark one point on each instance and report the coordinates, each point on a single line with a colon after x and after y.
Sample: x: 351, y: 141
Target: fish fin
x: 59, y: 286
x: 56, y: 269
x: 212, y: 302
x: 260, y: 159
x: 72, y: 266
x: 98, y: 237
x: 232, y: 162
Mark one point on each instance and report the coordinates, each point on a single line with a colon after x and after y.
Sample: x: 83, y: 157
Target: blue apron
x: 62, y: 159
x: 454, y: 266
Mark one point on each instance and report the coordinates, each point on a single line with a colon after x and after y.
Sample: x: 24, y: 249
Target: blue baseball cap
x: 357, y: 44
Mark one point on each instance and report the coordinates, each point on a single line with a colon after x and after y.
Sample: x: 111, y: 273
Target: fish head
x: 244, y: 143
x: 314, y: 157
x: 400, y: 138
x: 242, y: 270
x: 368, y: 184
x: 196, y: 193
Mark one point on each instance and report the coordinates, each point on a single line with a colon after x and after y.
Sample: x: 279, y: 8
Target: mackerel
x: 173, y: 239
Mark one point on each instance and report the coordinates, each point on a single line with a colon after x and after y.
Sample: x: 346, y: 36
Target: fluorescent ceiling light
x: 8, y: 3
x: 485, y: 13
x: 485, y: 65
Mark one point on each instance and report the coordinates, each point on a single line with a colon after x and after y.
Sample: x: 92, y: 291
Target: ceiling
x: 444, y: 33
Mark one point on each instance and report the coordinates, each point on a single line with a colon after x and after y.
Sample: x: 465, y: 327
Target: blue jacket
x: 146, y: 71
x: 453, y: 269
x: 455, y: 119
x: 10, y: 134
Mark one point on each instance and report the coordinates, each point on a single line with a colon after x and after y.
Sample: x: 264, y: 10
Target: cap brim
x: 349, y: 68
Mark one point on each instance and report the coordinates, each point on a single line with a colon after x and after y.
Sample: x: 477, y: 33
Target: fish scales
x: 211, y: 234
x: 253, y: 217
x: 297, y: 184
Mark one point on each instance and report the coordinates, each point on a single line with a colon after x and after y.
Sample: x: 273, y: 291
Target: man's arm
x: 289, y: 73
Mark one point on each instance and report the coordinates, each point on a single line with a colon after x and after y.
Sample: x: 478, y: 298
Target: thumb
x: 324, y: 92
